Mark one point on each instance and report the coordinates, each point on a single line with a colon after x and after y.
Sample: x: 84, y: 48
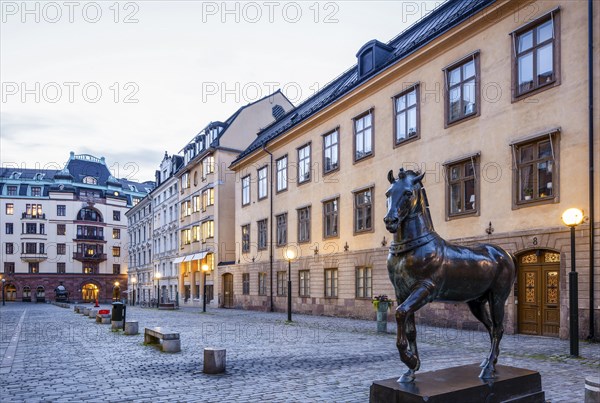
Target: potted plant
x: 528, y: 193
x: 382, y: 303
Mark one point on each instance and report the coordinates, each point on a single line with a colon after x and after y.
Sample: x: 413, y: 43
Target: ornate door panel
x: 550, y: 301
x: 538, y: 293
x: 529, y: 300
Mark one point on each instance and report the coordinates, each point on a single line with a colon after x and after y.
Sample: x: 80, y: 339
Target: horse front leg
x: 407, y: 330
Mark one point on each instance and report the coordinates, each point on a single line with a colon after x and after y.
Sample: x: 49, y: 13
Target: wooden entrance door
x: 228, y: 290
x: 538, y: 293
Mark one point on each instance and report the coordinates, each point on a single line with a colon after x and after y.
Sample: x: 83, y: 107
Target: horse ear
x: 419, y: 178
x: 391, y: 177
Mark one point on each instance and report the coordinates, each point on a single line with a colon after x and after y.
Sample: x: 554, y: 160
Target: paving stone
x: 61, y: 357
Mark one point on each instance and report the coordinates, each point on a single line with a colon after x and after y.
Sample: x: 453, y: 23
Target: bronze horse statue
x: 423, y: 268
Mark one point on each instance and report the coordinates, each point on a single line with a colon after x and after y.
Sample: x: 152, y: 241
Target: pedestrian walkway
x: 65, y: 357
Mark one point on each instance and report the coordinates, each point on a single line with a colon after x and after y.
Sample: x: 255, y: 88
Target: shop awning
x: 179, y: 259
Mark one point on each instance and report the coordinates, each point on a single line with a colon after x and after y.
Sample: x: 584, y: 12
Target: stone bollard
x: 214, y: 360
x: 131, y: 328
x: 86, y: 311
x: 592, y: 389
x: 116, y: 324
x: 93, y: 312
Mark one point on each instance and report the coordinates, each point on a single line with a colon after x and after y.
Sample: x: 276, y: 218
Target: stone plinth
x: 214, y: 360
x: 131, y: 328
x: 592, y: 389
x: 462, y: 384
x: 116, y: 324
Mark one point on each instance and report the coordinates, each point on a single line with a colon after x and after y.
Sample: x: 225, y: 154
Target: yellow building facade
x: 206, y: 199
x: 493, y: 108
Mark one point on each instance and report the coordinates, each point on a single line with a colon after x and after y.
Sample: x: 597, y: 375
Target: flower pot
x: 382, y: 310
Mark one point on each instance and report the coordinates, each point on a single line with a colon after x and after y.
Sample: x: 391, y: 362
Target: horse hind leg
x: 497, y: 315
x: 479, y: 310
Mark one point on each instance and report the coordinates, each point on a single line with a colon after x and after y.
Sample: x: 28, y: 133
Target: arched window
x: 89, y: 214
x: 90, y: 180
x: 26, y: 292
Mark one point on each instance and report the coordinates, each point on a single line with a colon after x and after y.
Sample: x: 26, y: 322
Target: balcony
x: 81, y: 237
x: 89, y: 257
x: 33, y: 216
x: 33, y: 257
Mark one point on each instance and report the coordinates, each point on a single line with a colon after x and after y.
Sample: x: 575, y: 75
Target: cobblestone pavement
x: 53, y: 354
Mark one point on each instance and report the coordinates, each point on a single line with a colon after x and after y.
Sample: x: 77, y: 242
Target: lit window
x: 536, y: 165
x: 462, y: 187
x: 246, y: 238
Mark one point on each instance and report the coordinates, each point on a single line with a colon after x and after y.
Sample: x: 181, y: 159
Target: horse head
x: 402, y: 197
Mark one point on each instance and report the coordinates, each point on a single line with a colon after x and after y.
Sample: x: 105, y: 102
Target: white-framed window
x: 262, y: 183
x: 282, y: 165
x: 246, y: 190
x: 304, y: 163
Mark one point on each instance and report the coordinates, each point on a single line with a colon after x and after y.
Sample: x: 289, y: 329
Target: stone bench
x: 170, y: 340
x: 103, y: 318
x: 167, y: 306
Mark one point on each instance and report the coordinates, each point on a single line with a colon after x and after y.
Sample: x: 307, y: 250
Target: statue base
x: 462, y: 384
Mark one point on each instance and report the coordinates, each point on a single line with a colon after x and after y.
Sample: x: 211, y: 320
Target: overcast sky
x: 131, y: 80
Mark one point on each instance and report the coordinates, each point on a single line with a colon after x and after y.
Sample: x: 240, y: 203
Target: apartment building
x: 206, y: 196
x: 66, y: 227
x: 489, y: 99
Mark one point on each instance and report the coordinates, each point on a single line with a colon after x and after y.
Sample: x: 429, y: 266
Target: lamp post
x: 204, y: 270
x: 157, y: 275
x: 133, y: 281
x: 3, y: 284
x: 573, y: 217
x: 116, y: 292
x: 289, y: 255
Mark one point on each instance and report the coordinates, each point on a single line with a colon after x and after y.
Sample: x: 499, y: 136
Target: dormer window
x: 39, y: 176
x: 15, y: 175
x: 366, y: 62
x: 90, y: 180
x: 371, y: 56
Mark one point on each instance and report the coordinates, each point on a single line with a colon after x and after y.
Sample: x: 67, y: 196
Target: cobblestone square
x: 54, y: 354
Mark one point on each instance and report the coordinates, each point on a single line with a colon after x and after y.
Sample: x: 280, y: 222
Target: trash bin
x: 117, y: 312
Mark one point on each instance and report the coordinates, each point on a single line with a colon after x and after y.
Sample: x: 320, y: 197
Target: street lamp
x: 3, y: 283
x: 157, y: 275
x: 204, y: 270
x: 116, y: 292
x: 289, y: 255
x: 573, y: 217
x: 133, y: 281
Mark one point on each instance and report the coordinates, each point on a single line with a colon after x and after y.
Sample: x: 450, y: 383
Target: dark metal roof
x: 76, y: 170
x: 433, y: 25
